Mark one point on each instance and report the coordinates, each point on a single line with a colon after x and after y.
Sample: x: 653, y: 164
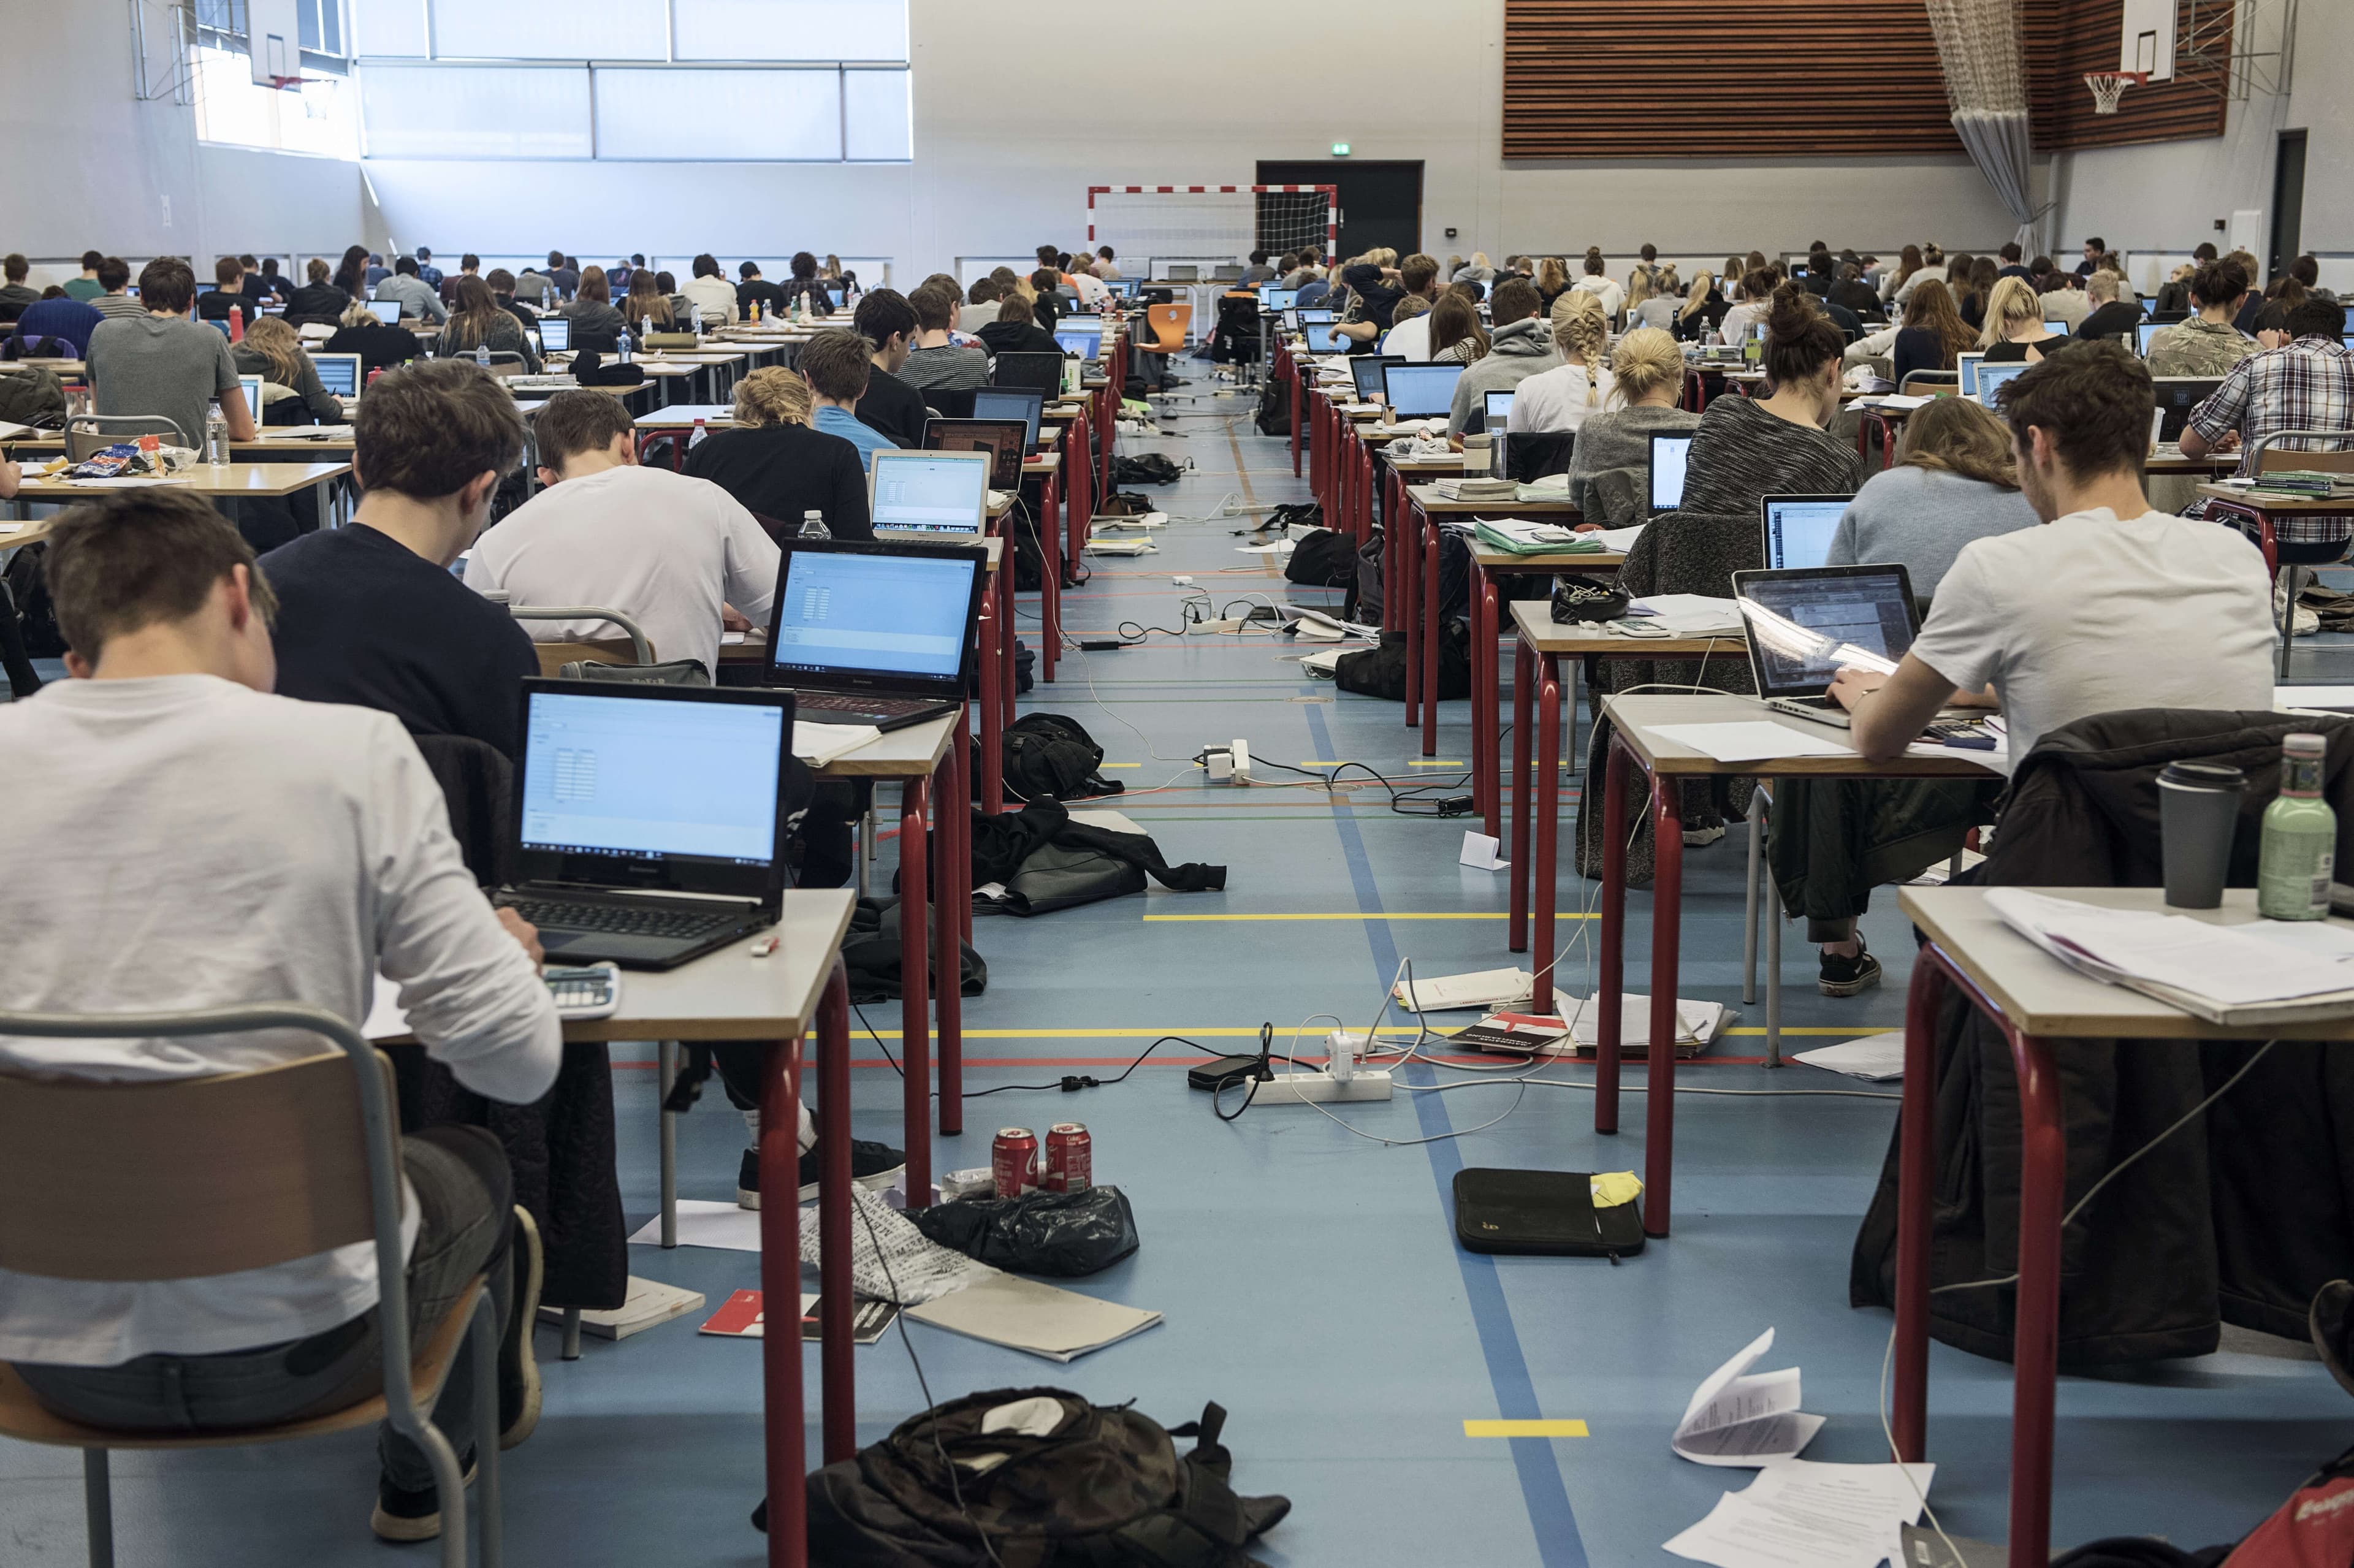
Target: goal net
x: 1208, y: 226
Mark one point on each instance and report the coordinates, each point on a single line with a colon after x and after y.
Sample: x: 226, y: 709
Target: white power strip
x: 1323, y: 1089
x: 1229, y: 764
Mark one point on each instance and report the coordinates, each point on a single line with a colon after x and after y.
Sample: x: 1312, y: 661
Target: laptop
x: 252, y: 386
x: 1226, y: 272
x: 1420, y: 391
x: 2144, y: 331
x: 1807, y: 623
x: 1496, y: 409
x: 835, y: 295
x: 1180, y: 274
x: 1966, y: 367
x: 1005, y: 440
x: 1992, y: 376
x: 1122, y: 288
x: 1271, y: 298
x: 1027, y: 404
x: 1083, y: 343
x: 1306, y: 313
x: 1671, y: 452
x: 650, y: 820
x: 938, y: 492
x: 385, y: 311
x: 1041, y: 373
x: 1365, y: 369
x: 1322, y: 339
x: 878, y: 632
x: 2176, y: 397
x: 1795, y: 530
x: 339, y: 374
x: 556, y: 334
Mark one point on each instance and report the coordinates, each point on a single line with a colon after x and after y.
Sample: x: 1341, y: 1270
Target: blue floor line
x: 1542, y: 1490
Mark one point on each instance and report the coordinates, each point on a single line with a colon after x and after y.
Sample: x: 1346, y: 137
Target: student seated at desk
x: 115, y: 303
x: 1954, y: 482
x: 419, y: 301
x: 780, y: 465
x: 318, y: 300
x: 646, y: 307
x: 2111, y: 605
x: 595, y: 325
x: 1851, y: 290
x: 676, y: 555
x: 1757, y: 287
x: 839, y: 371
x: 889, y: 405
x: 1455, y: 334
x: 378, y: 343
x: 1373, y: 299
x: 2115, y: 312
x: 480, y: 324
x: 2306, y: 384
x: 935, y: 360
x: 299, y: 847
x: 87, y: 287
x: 368, y: 613
x: 1520, y: 346
x: 273, y: 350
x: 67, y: 322
x: 2014, y: 331
x: 503, y: 295
x: 1562, y: 398
x: 2206, y: 343
x: 1933, y: 334
x: 1610, y: 466
x: 1016, y: 329
x: 1703, y: 307
x: 710, y: 289
x: 160, y: 362
x: 1599, y: 283
x: 228, y: 293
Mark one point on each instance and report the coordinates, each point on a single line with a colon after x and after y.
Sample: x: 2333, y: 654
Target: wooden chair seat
x: 554, y: 656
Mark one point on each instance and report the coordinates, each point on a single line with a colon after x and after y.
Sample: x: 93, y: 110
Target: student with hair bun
x: 1599, y: 282
x: 1610, y: 468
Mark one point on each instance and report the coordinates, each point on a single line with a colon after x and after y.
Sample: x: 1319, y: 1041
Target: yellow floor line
x: 1354, y: 914
x: 1524, y: 1429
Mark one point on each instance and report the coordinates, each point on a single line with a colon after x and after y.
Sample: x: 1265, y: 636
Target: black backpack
x: 1103, y: 1488
x: 1150, y: 469
x: 1379, y: 671
x: 34, y: 396
x: 36, y: 611
x: 1326, y: 558
x: 1274, y: 409
x: 1048, y: 756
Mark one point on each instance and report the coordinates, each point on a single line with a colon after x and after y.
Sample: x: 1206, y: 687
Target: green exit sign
x: 1340, y: 149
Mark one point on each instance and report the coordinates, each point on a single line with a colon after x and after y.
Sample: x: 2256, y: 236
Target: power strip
x: 1230, y: 763
x: 1323, y: 1089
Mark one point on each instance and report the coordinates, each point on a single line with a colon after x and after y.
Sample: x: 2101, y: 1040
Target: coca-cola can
x: 1070, y: 1159
x: 1013, y: 1161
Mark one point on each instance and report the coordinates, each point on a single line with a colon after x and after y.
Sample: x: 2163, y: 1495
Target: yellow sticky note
x: 1613, y: 1188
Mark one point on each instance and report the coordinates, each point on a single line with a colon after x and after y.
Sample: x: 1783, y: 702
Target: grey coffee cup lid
x: 2204, y: 775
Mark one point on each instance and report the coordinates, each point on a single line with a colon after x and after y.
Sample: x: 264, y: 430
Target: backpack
x: 1048, y: 756
x: 1379, y: 671
x: 36, y: 612
x: 1078, y: 1485
x: 1150, y: 469
x: 1325, y: 559
x: 1273, y: 409
x: 33, y: 396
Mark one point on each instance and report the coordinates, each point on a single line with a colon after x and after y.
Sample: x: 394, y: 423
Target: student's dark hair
x: 1593, y: 262
x: 1417, y: 273
x: 666, y: 283
x: 405, y: 265
x: 555, y: 258
x: 1046, y: 254
x: 837, y: 364
x: 932, y: 305
x: 1105, y: 253
x: 2219, y: 282
x: 2317, y: 317
x: 2306, y: 271
x: 15, y: 267
x: 470, y: 262
x: 804, y: 264
x: 580, y: 420
x: 1759, y: 284
x: 501, y: 280
x: 167, y: 284
x: 2094, y: 401
x: 882, y: 313
x: 2098, y: 244
x: 747, y: 270
x: 2203, y: 252
x: 1850, y: 273
x: 1514, y: 298
x: 984, y: 290
x: 54, y: 291
x: 429, y: 428
x: 122, y: 562
x: 1453, y: 320
x: 269, y: 266
x: 594, y: 287
x: 90, y: 259
x: 227, y: 271
x: 1046, y: 279
x: 1258, y: 257
x: 706, y: 266
x: 1062, y: 259
x: 1649, y: 252
x: 2009, y: 252
x: 113, y: 272
x: 1800, y: 337
x: 2040, y: 265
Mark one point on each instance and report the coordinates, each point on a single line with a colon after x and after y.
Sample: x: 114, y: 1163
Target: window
x: 791, y: 29
x: 476, y: 111
x: 792, y: 116
x: 525, y: 30
x: 317, y: 117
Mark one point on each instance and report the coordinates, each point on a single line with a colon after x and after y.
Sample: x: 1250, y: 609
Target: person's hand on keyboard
x: 524, y: 932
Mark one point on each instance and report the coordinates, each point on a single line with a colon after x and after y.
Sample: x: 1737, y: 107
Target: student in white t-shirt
x: 1561, y: 399
x: 680, y: 557
x: 1409, y: 334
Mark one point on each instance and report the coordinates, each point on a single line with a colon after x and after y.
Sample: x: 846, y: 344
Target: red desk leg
x: 1006, y: 670
x: 1667, y: 926
x: 1548, y: 807
x: 1291, y: 374
x: 1050, y: 576
x: 1392, y: 546
x: 1486, y: 604
x: 1611, y: 980
x: 1079, y: 500
x: 835, y: 1246
x: 952, y: 898
x: 915, y: 976
x: 1409, y: 597
x: 991, y: 633
x: 1524, y: 687
x: 2035, y: 1344
x: 780, y: 1280
x: 1916, y: 1167
x: 1366, y: 480
x: 1431, y: 551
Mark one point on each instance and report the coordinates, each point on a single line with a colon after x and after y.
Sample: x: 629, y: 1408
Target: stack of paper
x: 1799, y: 1514
x: 1476, y: 487
x: 819, y: 744
x: 1875, y: 1058
x: 1485, y: 988
x: 1027, y: 1315
x: 1740, y: 1418
x: 1688, y: 614
x: 1617, y: 541
x: 648, y: 1304
x: 1697, y: 1023
x: 2265, y: 973
x: 1755, y: 740
x: 1525, y: 538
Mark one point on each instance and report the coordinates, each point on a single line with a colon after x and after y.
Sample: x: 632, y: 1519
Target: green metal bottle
x: 2300, y: 838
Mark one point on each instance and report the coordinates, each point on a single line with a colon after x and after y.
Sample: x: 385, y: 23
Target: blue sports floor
x: 1308, y: 1277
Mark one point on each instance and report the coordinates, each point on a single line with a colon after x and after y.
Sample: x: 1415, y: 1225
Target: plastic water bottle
x: 695, y: 318
x: 695, y: 439
x: 622, y: 347
x: 813, y: 526
x: 1498, y: 464
x: 482, y: 355
x: 216, y: 437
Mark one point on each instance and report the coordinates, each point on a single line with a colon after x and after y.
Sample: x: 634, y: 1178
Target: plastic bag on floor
x: 1061, y: 1234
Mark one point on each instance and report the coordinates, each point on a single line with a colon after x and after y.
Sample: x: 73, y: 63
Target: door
x: 2288, y: 202
x: 1380, y: 202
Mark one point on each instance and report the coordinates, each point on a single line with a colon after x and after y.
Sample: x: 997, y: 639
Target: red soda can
x: 1070, y: 1159
x: 1013, y: 1161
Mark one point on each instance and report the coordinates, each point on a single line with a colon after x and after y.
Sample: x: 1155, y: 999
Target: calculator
x: 593, y: 990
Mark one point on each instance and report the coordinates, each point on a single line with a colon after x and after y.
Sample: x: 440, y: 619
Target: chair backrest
x: 554, y: 656
x: 1929, y: 382
x: 1531, y: 455
x: 2272, y: 457
x: 233, y: 1172
x: 90, y: 433
x: 1170, y: 324
x: 641, y: 647
x: 507, y: 363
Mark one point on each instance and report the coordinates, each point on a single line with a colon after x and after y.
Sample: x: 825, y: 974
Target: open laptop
x: 2176, y: 397
x: 1027, y: 404
x: 339, y: 374
x: 385, y: 311
x: 1365, y: 371
x: 1085, y: 342
x: 1992, y: 376
x: 1177, y: 274
x: 835, y: 293
x: 1005, y: 440
x: 878, y: 632
x: 1966, y: 367
x: 1225, y: 272
x: 932, y: 493
x: 1322, y: 339
x: 1271, y: 298
x: 252, y: 386
x: 1807, y: 623
x: 1496, y: 409
x: 1420, y: 391
x: 1123, y: 288
x: 1041, y: 373
x: 556, y: 334
x: 650, y: 820
x: 2143, y: 332
x: 1671, y: 452
x: 1306, y: 313
x: 1795, y: 530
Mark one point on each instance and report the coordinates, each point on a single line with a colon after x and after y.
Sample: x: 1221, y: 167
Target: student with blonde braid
x: 1561, y: 399
x: 778, y: 465
x: 1610, y: 469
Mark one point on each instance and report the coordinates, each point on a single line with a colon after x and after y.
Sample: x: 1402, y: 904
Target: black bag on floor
x: 1096, y: 1487
x: 1379, y: 671
x: 1023, y: 660
x: 1365, y: 600
x: 870, y: 953
x: 1061, y: 1234
x: 1273, y: 409
x: 1151, y: 468
x: 1326, y: 558
x: 1050, y: 758
x: 1046, y: 861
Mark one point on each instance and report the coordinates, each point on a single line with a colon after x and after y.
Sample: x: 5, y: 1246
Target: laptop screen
x: 1366, y: 371
x: 928, y: 493
x: 2144, y: 331
x: 623, y: 775
x: 1083, y: 343
x: 1992, y: 376
x: 2176, y: 397
x: 252, y: 386
x: 1497, y: 409
x: 339, y: 374
x: 1798, y: 528
x: 1420, y: 391
x: 834, y: 295
x: 1321, y: 339
x: 1271, y: 298
x: 1805, y: 626
x: 556, y: 334
x: 848, y: 612
x: 1967, y: 367
x: 1314, y: 314
x: 1011, y: 403
x: 385, y: 311
x: 1668, y: 455
x: 1002, y: 438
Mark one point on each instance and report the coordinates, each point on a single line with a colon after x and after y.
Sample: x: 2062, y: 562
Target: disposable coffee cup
x: 2197, y: 810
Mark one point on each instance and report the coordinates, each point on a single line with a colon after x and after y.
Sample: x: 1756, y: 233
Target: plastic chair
x: 1170, y: 324
x: 2289, y: 557
x: 88, y: 434
x: 236, y: 1171
x: 554, y: 656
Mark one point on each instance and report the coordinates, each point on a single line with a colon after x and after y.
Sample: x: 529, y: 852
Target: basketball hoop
x: 282, y: 82
x: 2108, y: 86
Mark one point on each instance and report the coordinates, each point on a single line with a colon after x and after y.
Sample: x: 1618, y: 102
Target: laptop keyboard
x: 846, y: 703
x: 623, y: 919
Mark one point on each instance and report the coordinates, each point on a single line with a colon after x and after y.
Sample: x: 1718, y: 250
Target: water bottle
x: 482, y: 355
x: 216, y: 437
x: 695, y: 318
x: 813, y: 526
x: 695, y: 439
x: 1499, y: 466
x: 622, y: 347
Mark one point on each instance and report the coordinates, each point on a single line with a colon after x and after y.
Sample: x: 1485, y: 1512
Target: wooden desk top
x: 1533, y: 618
x: 1638, y: 719
x: 2333, y: 505
x: 1042, y: 462
x: 2175, y: 463
x: 1567, y: 561
x: 1442, y: 466
x: 1434, y: 505
x: 683, y: 416
x: 279, y: 440
x: 66, y: 369
x: 2041, y: 995
x: 910, y: 753
x: 231, y: 481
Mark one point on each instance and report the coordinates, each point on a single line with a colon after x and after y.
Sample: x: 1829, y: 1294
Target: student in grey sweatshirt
x: 1953, y: 483
x: 1520, y: 345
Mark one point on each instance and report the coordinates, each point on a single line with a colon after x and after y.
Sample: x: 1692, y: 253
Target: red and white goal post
x: 1150, y: 227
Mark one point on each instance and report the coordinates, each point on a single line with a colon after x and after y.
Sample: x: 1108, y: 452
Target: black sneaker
x: 519, y: 1386
x: 410, y: 1516
x: 1848, y: 977
x: 872, y: 1166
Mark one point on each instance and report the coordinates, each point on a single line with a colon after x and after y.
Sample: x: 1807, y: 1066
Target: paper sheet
x: 2234, y: 966
x: 1480, y: 851
x: 1753, y: 740
x: 1796, y: 1514
x: 1482, y: 988
x: 702, y: 1224
x: 1740, y: 1418
x: 1028, y: 1315
x: 1875, y: 1058
x: 2329, y: 698
x: 1694, y: 614
x: 1324, y: 660
x: 1618, y: 541
x: 1695, y: 1020
x: 819, y: 744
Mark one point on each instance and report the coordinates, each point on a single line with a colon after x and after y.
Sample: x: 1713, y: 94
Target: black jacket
x: 894, y: 407
x: 1017, y: 337
x: 316, y: 302
x: 2114, y: 319
x: 2240, y: 1217
x: 515, y: 308
x: 378, y: 345
x: 778, y: 471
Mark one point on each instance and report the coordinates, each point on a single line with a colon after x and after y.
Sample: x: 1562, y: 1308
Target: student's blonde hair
x: 1702, y: 281
x: 1638, y: 286
x: 2102, y: 286
x: 1957, y: 436
x: 1553, y: 276
x: 1645, y: 360
x: 2012, y: 300
x: 280, y: 344
x: 1407, y: 309
x: 1383, y: 256
x: 1579, y: 327
x: 356, y: 314
x: 773, y: 395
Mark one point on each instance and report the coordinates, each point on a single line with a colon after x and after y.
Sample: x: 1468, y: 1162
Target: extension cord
x: 1232, y: 623
x: 1323, y: 1089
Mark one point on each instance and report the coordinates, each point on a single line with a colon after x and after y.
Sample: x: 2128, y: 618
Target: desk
x: 1423, y: 503
x: 1635, y: 744
x: 1397, y: 579
x: 1487, y: 567
x: 2035, y: 1000
x: 229, y: 481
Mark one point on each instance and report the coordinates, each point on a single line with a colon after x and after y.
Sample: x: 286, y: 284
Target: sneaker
x: 872, y: 1166
x: 410, y: 1516
x: 1848, y: 977
x: 1700, y: 838
x: 519, y: 1386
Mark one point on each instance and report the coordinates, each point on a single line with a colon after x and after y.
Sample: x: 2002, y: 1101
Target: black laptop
x: 650, y: 820
x: 1042, y: 371
x: 1027, y: 404
x: 876, y: 632
x: 1006, y: 441
x: 1807, y: 623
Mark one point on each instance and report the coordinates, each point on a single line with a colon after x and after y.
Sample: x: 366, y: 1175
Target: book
x: 1513, y: 1034
x: 741, y: 1317
x: 1030, y: 1316
x: 649, y: 1304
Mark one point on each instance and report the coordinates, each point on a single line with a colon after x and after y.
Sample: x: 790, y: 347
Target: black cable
x: 1072, y: 1083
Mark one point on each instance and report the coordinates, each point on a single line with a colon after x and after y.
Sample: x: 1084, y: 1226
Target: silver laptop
x: 932, y: 493
x: 339, y: 374
x: 555, y: 334
x: 1992, y: 376
x: 1966, y: 366
x: 1795, y: 530
x: 1807, y: 623
x: 385, y: 311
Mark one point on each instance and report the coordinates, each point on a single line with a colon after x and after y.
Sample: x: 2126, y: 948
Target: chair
x: 2292, y: 556
x: 508, y: 363
x: 1169, y: 324
x: 88, y: 434
x: 1531, y: 455
x: 250, y: 1170
x: 1043, y: 371
x: 554, y: 656
x: 23, y: 679
x: 1931, y: 382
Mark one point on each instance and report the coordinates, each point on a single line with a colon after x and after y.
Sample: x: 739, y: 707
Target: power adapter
x: 1216, y: 1075
x: 1100, y: 645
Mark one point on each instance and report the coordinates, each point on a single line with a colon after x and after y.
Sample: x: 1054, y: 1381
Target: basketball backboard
x: 273, y: 32
x: 2146, y: 44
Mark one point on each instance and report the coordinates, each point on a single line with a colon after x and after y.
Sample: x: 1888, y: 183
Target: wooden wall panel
x: 2085, y: 37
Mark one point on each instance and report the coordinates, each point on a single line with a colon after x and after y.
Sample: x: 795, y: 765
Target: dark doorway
x: 1380, y: 202
x: 2288, y: 201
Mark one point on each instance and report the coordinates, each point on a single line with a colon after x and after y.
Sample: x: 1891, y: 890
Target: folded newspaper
x: 2268, y: 972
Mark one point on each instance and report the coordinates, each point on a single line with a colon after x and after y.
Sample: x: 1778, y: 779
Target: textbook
x: 649, y: 1304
